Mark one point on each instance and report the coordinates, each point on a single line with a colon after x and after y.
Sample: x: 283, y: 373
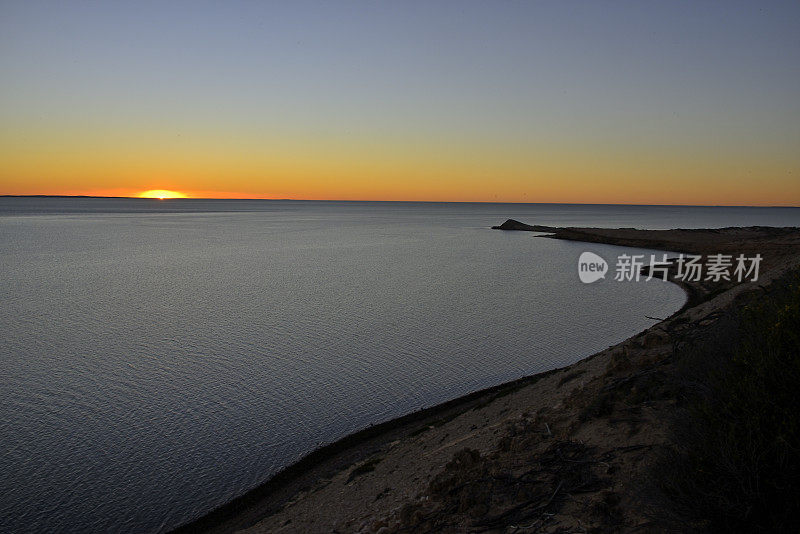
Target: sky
x: 644, y: 102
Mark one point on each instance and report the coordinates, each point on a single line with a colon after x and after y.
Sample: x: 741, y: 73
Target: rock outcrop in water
x: 512, y: 224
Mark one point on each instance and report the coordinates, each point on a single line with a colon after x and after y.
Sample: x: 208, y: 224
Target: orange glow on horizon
x: 545, y: 195
x: 585, y: 171
x: 161, y: 194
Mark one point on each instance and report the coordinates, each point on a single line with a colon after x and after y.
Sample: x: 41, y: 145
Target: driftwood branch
x: 493, y: 522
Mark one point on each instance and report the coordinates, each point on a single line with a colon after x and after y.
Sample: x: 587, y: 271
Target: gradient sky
x: 614, y: 102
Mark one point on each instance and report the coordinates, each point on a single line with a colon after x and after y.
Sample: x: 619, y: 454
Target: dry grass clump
x: 736, y: 464
x: 482, y: 492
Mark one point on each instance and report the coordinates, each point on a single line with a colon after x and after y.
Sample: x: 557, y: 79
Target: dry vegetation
x: 735, y: 465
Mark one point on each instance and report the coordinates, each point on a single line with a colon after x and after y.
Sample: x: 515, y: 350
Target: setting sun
x: 161, y: 194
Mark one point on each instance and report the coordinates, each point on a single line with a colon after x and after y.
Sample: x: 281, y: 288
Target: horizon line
x: 406, y: 201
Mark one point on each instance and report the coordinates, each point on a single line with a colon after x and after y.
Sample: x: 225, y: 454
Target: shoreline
x: 334, y: 456
x: 329, y: 460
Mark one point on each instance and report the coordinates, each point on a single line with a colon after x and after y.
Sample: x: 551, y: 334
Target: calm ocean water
x: 159, y: 358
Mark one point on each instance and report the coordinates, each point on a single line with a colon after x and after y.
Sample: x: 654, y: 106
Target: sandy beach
x: 569, y: 450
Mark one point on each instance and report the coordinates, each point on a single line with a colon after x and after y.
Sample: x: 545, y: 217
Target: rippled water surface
x: 160, y: 358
